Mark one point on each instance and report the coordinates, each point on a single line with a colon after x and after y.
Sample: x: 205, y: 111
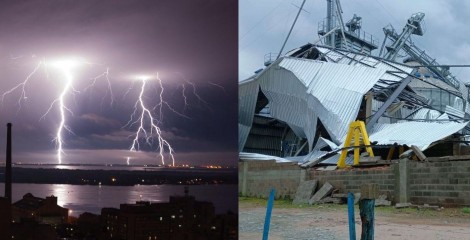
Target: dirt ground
x: 329, y: 221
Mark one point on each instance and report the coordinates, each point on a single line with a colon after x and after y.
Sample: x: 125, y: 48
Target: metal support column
x: 370, y: 124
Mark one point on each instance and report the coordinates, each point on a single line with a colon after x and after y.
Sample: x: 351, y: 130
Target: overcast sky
x: 181, y: 40
x: 264, y: 25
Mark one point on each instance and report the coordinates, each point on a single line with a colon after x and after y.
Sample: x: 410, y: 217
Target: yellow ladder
x: 356, y: 129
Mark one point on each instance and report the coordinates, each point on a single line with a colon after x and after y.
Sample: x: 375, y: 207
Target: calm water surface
x: 87, y: 198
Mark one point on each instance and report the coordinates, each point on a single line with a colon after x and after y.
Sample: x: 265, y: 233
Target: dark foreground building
x: 41, y: 210
x: 181, y: 218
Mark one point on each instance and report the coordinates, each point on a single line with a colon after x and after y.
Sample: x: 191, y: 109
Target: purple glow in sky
x: 183, y: 41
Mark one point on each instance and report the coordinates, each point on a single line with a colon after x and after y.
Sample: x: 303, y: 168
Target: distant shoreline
x: 151, y: 176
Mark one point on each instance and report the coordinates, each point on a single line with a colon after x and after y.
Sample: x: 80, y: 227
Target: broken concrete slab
x: 324, y: 191
x: 382, y: 201
x: 305, y: 191
x: 339, y: 195
x: 403, y: 205
x: 427, y: 206
x: 418, y: 153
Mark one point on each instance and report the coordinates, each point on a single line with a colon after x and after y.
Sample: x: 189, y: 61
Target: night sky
x: 193, y: 41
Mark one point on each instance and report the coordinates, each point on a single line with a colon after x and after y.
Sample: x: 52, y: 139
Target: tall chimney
x: 8, y: 165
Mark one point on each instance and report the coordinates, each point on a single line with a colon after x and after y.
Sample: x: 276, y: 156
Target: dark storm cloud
x: 197, y: 39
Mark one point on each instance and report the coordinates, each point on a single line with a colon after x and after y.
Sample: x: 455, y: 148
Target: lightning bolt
x: 148, y: 124
x: 184, y: 96
x: 163, y: 102
x: 66, y: 68
x: 219, y: 86
x: 22, y: 86
x: 194, y: 91
x: 62, y: 109
x: 109, y: 89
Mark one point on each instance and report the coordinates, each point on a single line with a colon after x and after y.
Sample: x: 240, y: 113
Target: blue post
x: 366, y: 207
x: 268, y: 214
x: 352, y: 224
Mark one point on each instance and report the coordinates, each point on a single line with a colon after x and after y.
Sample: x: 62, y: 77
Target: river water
x: 91, y: 198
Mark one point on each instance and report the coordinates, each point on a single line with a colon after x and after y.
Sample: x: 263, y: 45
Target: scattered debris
x: 305, y: 192
x: 403, y: 205
x: 324, y: 191
x: 327, y: 168
x: 382, y: 201
x: 406, y: 154
x: 369, y: 160
x: 427, y: 206
x: 332, y: 200
x: 339, y: 195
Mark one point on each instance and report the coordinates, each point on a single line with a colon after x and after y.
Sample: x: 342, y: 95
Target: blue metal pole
x: 268, y: 214
x: 352, y: 224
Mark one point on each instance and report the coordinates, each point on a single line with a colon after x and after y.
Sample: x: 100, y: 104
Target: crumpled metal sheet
x: 420, y: 134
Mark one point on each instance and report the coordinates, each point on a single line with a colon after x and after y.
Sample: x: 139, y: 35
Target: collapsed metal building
x: 300, y: 106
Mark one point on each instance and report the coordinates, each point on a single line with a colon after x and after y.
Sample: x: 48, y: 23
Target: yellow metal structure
x: 356, y: 129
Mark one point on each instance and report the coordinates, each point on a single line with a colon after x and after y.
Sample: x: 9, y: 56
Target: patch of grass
x: 287, y: 203
x: 263, y: 201
x: 466, y: 210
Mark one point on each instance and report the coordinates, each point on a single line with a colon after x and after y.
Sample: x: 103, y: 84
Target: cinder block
x: 324, y: 191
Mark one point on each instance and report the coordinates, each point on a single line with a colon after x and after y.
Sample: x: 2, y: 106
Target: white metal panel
x: 362, y: 60
x: 259, y: 157
x: 337, y: 88
x: 247, y: 97
x: 421, y: 134
x: 454, y: 112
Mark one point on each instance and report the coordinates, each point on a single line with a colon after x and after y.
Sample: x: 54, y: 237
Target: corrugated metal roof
x: 333, y: 160
x: 424, y: 114
x: 300, y: 91
x: 454, y: 112
x: 421, y: 134
x: 343, y: 57
x: 261, y: 157
x: 247, y: 97
x: 323, y: 142
x: 337, y: 88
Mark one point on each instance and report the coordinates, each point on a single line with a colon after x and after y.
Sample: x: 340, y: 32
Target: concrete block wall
x: 257, y: 178
x: 440, y: 183
x: 437, y: 183
x: 351, y: 180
